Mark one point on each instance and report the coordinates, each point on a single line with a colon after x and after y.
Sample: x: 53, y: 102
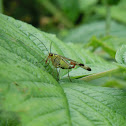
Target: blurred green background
x: 59, y: 16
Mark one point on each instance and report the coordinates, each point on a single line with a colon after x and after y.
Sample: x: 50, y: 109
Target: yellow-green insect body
x: 65, y: 63
x: 58, y: 61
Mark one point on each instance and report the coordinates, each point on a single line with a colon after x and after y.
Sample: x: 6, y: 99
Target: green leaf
x: 103, y: 103
x: 109, y: 44
x: 121, y: 56
x: 31, y: 96
x: 111, y: 81
x: 83, y: 33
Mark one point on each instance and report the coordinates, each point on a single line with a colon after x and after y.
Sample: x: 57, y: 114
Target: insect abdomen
x: 84, y: 67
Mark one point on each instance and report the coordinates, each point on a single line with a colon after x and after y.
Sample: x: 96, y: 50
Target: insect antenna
x: 50, y: 47
x: 40, y: 41
x: 42, y: 50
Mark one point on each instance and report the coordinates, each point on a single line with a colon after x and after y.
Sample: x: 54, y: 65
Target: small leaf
x: 121, y: 55
x: 109, y: 44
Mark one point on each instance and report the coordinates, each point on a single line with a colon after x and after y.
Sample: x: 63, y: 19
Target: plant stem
x: 111, y: 51
x: 108, y: 18
x: 56, y: 12
x: 1, y: 6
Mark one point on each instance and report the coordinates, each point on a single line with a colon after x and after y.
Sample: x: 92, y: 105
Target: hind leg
x: 58, y: 73
x: 69, y: 76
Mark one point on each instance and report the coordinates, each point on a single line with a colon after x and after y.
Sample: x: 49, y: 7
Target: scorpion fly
x: 62, y: 62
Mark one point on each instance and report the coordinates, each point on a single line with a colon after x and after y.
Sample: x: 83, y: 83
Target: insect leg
x: 69, y: 75
x: 58, y: 73
x: 41, y: 61
x: 73, y: 66
x: 47, y: 63
x: 46, y: 59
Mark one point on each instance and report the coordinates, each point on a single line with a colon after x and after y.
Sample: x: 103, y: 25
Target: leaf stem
x: 108, y: 18
x: 101, y: 74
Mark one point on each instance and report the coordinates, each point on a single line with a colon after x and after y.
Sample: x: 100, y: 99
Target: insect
x: 62, y: 62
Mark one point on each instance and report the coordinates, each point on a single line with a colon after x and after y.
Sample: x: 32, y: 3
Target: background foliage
x: 30, y: 93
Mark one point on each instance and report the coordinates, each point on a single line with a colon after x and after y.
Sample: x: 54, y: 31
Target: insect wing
x: 69, y: 60
x: 59, y: 61
x: 73, y: 62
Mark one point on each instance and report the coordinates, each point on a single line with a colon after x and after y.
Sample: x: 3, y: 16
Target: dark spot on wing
x: 62, y: 67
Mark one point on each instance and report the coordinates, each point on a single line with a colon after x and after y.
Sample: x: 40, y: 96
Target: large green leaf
x: 31, y: 96
x: 81, y: 107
